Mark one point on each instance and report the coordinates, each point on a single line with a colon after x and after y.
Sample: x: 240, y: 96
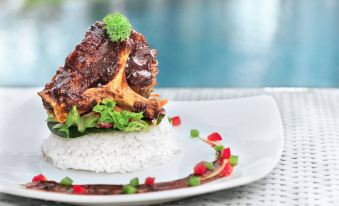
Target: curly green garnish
x: 117, y: 27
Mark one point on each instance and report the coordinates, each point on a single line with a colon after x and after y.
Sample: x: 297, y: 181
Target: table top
x: 308, y: 172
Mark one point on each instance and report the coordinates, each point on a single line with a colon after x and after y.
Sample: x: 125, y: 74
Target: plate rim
x: 161, y: 195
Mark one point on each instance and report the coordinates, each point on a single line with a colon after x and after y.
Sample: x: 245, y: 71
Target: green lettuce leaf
x: 128, y: 121
x: 103, y: 112
x: 136, y: 126
x: 104, y: 109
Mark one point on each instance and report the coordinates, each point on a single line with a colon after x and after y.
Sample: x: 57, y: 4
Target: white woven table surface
x: 308, y: 172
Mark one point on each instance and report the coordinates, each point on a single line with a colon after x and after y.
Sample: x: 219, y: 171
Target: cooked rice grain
x: 114, y: 152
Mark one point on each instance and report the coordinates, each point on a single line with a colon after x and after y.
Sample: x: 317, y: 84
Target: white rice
x: 113, y: 152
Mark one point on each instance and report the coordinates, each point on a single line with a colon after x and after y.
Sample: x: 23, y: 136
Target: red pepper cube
x: 38, y: 178
x: 200, y: 168
x: 78, y: 189
x: 176, y: 121
x: 227, y: 170
x: 226, y: 153
x: 215, y: 136
x: 149, y: 181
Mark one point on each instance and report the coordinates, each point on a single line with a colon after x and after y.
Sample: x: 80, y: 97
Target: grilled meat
x: 99, y: 68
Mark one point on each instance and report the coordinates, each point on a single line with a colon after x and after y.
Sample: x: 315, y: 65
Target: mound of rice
x: 113, y: 152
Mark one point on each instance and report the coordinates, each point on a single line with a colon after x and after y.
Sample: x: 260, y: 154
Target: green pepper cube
x: 169, y: 120
x: 194, y: 181
x: 66, y: 181
x: 134, y: 182
x: 194, y: 133
x: 129, y: 189
x: 234, y: 160
x: 219, y: 148
x: 209, y: 165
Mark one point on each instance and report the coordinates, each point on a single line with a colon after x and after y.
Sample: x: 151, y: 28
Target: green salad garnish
x: 129, y: 189
x: 134, y: 182
x: 66, y: 181
x: 209, y: 165
x: 194, y: 181
x: 117, y: 27
x: 194, y: 133
x: 102, y: 114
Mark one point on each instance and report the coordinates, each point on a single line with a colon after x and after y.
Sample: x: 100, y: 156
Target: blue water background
x: 201, y: 43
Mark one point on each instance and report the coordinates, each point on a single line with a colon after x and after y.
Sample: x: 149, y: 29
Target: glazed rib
x: 99, y: 68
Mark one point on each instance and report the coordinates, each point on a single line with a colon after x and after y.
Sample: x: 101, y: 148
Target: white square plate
x: 251, y: 126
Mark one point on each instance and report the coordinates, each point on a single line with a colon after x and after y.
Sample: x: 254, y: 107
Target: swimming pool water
x: 231, y: 43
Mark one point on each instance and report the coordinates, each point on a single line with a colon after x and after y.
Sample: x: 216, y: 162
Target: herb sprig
x: 117, y: 27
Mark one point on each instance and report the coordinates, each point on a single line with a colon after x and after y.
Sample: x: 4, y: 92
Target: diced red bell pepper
x: 227, y: 170
x: 200, y: 168
x: 78, y: 189
x: 215, y: 136
x: 149, y: 181
x: 176, y: 121
x: 226, y: 153
x: 38, y: 178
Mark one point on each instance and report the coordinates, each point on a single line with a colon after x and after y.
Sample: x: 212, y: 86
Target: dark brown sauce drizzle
x: 106, y: 189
